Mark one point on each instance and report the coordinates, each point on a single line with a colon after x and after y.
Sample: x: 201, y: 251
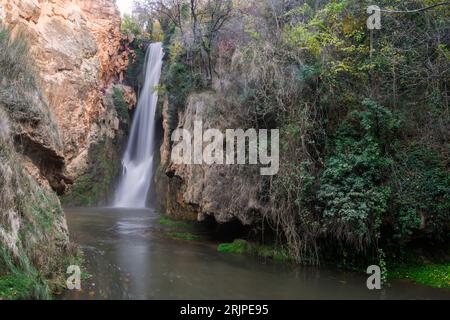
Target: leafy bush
x: 352, y: 183
x: 422, y: 194
x: 130, y: 26
x: 134, y: 74
x: 120, y: 103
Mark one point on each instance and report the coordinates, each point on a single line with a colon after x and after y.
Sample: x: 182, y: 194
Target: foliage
x: 120, y: 104
x: 363, y: 117
x: 14, y: 61
x: 372, y: 183
x: 435, y: 275
x: 134, y: 75
x: 197, y: 23
x: 130, y: 26
x: 239, y: 246
x: 178, y: 78
x: 352, y: 184
x: 422, y: 188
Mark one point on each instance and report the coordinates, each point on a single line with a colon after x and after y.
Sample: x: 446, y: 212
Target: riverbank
x: 432, y: 273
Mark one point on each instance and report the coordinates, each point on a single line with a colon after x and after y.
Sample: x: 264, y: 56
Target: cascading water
x: 137, y: 163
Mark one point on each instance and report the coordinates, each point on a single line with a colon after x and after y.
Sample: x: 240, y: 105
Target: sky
x: 125, y: 6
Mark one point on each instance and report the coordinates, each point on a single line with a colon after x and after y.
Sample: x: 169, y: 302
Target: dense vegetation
x: 363, y: 114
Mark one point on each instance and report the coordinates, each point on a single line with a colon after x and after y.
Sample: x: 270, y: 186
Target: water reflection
x: 129, y: 258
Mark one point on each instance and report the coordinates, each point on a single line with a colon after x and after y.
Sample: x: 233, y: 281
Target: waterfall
x: 137, y: 163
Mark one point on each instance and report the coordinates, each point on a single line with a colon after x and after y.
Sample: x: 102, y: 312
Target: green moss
x: 435, y: 275
x: 169, y: 222
x: 237, y: 246
x: 183, y: 236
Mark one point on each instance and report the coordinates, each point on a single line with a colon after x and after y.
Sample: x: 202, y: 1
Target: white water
x: 137, y: 163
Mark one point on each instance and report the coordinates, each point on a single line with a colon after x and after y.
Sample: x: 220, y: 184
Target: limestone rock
x: 222, y: 191
x: 79, y: 52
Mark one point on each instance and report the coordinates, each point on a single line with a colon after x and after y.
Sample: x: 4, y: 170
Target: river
x: 129, y: 257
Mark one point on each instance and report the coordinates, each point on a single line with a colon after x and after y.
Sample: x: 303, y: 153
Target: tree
x: 199, y: 22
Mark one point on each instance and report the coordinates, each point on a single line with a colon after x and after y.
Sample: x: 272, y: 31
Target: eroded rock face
x: 224, y: 192
x: 79, y: 52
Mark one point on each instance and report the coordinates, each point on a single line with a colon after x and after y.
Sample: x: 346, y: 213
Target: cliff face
x: 79, y: 52
x: 223, y: 192
x: 34, y: 242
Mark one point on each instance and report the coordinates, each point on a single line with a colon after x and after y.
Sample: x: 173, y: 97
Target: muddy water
x: 128, y: 257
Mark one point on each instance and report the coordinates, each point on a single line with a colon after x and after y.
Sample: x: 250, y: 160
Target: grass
x: 434, y: 275
x: 20, y: 280
x: 183, y: 236
x: 240, y: 246
x: 14, y: 287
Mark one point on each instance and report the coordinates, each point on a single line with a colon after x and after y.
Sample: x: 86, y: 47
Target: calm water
x: 129, y: 258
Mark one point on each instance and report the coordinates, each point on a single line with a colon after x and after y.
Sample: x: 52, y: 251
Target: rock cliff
x: 79, y: 52
x: 224, y: 192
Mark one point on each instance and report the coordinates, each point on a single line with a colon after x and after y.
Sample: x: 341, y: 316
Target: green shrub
x: 422, y: 194
x: 120, y: 104
x: 134, y: 75
x: 353, y: 182
x: 130, y: 26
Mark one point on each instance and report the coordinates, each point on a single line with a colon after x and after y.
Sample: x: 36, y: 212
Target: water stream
x: 137, y: 163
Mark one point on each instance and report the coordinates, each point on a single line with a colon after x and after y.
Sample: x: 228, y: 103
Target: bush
x: 422, y: 194
x: 353, y: 181
x: 130, y: 26
x: 120, y: 104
